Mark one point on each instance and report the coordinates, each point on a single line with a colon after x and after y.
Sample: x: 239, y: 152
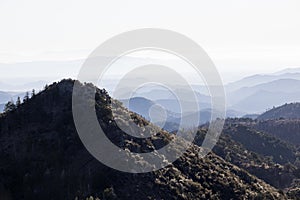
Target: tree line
x: 11, y: 105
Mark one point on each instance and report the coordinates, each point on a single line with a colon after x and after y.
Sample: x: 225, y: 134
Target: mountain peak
x: 42, y: 157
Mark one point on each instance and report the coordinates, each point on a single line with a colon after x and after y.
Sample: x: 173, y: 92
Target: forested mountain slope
x: 42, y: 157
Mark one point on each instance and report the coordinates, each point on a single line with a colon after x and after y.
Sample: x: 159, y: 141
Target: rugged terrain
x: 42, y: 157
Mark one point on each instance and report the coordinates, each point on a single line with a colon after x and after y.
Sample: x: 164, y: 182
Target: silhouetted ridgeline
x: 42, y: 157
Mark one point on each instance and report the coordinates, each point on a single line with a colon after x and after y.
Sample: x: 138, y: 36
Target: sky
x: 242, y: 37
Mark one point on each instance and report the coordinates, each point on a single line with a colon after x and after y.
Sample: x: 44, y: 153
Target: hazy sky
x: 242, y: 36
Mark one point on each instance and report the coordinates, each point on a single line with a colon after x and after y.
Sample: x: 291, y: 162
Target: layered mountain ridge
x: 42, y: 157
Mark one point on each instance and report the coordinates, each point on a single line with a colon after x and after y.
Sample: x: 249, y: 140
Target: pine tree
x: 26, y: 97
x: 18, y: 102
x: 33, y: 93
x: 9, y: 106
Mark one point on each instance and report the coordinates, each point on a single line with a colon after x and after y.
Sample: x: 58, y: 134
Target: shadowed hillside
x: 288, y: 111
x: 285, y: 129
x: 43, y: 158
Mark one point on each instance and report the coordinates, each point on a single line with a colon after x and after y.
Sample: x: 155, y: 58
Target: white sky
x: 241, y: 36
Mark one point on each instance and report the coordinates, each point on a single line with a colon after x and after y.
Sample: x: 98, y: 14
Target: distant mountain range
x: 288, y: 70
x: 8, y: 96
x: 258, y: 79
x: 257, y: 93
x: 12, y: 92
x: 4, y: 97
x: 258, y: 98
x: 37, y: 85
x: 250, y: 95
x: 42, y: 157
x: 174, y: 116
